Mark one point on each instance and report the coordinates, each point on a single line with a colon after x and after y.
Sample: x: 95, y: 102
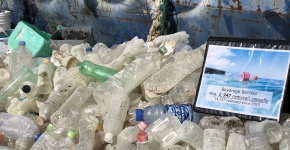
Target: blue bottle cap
x: 37, y: 136
x: 139, y: 114
x: 21, y: 43
x: 89, y: 49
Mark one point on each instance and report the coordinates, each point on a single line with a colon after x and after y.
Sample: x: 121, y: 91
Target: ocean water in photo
x: 262, y: 84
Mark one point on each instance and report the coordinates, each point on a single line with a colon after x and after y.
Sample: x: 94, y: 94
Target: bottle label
x: 181, y: 111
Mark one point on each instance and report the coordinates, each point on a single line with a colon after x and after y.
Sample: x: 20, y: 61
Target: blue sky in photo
x: 264, y: 64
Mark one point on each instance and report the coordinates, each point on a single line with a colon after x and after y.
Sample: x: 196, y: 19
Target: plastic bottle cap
x: 37, y: 137
x: 88, y: 49
x: 40, y: 120
x: 71, y: 134
x: 26, y: 88
x: 162, y: 50
x: 142, y: 137
x: 50, y: 127
x: 143, y: 125
x: 46, y: 60
x: 109, y: 137
x: 139, y: 115
x: 21, y: 43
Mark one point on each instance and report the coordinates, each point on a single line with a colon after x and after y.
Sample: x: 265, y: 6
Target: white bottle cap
x: 109, y: 137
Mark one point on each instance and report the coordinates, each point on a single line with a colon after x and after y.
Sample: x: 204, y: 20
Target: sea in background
x: 262, y: 84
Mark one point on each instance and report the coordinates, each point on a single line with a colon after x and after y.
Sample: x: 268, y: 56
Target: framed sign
x: 244, y: 78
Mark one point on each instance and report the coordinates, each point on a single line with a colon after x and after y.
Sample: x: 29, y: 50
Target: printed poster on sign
x: 244, y: 80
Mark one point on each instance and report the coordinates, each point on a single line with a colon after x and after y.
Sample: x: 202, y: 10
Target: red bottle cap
x: 142, y: 137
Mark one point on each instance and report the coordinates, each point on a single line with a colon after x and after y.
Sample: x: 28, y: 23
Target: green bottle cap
x: 71, y: 134
x: 50, y: 127
x: 162, y: 50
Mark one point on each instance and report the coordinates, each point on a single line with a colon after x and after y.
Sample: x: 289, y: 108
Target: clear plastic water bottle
x: 28, y: 90
x: 142, y: 141
x: 114, y: 121
x: 45, y: 72
x: 24, y: 74
x: 191, y: 133
x: 55, y: 101
x: 162, y: 133
x: 127, y: 79
x: 67, y: 142
x: 76, y: 99
x: 239, y: 76
x: 15, y: 126
x: 152, y: 113
x: 214, y: 139
x: 235, y: 142
x: 256, y: 141
x: 272, y: 130
x: 129, y: 135
x: 87, y: 128
x: 96, y: 71
x: 19, y: 57
x: 91, y: 56
x: 46, y: 140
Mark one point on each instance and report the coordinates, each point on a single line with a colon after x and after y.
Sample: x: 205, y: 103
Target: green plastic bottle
x: 98, y: 72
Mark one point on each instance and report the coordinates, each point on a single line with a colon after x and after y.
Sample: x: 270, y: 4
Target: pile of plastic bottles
x: 134, y: 95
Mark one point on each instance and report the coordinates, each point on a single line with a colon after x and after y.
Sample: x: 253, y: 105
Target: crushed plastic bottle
x: 46, y: 140
x: 113, y: 123
x: 24, y: 74
x: 87, y: 128
x: 235, y: 142
x: 67, y: 142
x: 91, y: 56
x: 45, y: 72
x: 76, y: 99
x: 256, y: 141
x: 214, y: 139
x: 55, y: 101
x: 192, y: 134
x: 20, y: 57
x: 15, y: 126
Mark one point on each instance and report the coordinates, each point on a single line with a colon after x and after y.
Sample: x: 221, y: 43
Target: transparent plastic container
x: 96, y: 71
x: 142, y: 141
x: 67, y: 142
x: 24, y: 74
x: 55, y: 101
x: 235, y: 142
x: 91, y: 56
x: 181, y: 111
x: 214, y: 139
x: 59, y: 76
x: 87, y: 128
x: 192, y: 134
x: 24, y: 143
x: 15, y: 126
x: 129, y: 136
x: 256, y: 141
x: 46, y: 140
x: 163, y: 133
x: 45, y: 72
x: 76, y: 99
x: 113, y: 123
x: 273, y: 130
x: 19, y: 57
x: 127, y: 79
